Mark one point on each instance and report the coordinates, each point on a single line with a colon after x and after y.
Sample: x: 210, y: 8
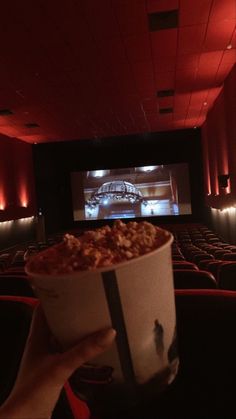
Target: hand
x: 42, y: 373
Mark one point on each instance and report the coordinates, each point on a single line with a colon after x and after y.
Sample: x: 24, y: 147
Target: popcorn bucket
x: 136, y: 298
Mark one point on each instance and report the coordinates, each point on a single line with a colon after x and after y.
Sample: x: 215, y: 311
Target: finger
x: 85, y: 350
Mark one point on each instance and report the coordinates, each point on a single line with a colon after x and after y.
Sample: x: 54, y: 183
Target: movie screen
x: 145, y: 191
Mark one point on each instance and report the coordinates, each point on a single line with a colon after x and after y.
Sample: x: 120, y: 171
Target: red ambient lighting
x: 24, y: 201
x: 2, y: 200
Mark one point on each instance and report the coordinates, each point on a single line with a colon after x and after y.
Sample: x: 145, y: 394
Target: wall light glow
x: 23, y: 195
x: 20, y: 220
x: 229, y: 210
x: 2, y: 199
x: 5, y: 224
x: 25, y: 220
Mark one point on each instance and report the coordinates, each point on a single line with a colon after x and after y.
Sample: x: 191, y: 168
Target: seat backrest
x: 202, y: 256
x: 15, y: 285
x: 177, y: 257
x: 227, y: 276
x: 229, y: 256
x: 203, y: 264
x: 194, y: 253
x: 14, y: 271
x: 206, y: 329
x: 184, y: 278
x: 205, y: 384
x: 220, y: 253
x: 15, y: 319
x: 199, y: 242
x: 184, y: 265
x: 213, y: 267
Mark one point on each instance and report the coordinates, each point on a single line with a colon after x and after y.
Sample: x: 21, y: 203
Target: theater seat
x: 219, y: 254
x: 203, y: 264
x: 184, y: 265
x: 4, y: 260
x: 15, y: 285
x: 229, y: 256
x: 202, y: 256
x: 18, y: 259
x: 184, y: 278
x: 205, y: 385
x: 227, y: 276
x: 15, y: 320
x: 177, y: 257
x: 213, y: 267
x: 14, y: 271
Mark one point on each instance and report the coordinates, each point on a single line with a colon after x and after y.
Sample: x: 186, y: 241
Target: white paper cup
x: 135, y: 297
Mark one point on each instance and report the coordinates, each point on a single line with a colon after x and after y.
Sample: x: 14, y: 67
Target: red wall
x: 17, y: 188
x: 219, y: 146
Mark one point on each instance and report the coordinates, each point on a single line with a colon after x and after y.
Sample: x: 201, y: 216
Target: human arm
x: 42, y: 373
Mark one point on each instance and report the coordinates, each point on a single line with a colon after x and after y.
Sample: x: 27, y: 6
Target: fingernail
x: 105, y: 337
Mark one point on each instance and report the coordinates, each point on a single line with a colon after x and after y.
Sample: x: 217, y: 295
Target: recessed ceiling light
x: 165, y: 93
x: 229, y: 46
x: 5, y: 112
x: 163, y: 20
x: 165, y: 110
x: 32, y: 125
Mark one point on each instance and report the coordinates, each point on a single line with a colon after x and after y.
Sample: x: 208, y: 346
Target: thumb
x: 85, y: 350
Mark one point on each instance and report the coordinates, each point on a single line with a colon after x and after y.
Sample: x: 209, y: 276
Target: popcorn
x: 99, y: 248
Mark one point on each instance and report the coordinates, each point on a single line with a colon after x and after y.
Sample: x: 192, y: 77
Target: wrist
x: 28, y: 404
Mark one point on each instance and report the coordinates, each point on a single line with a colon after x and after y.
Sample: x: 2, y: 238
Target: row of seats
x: 217, y: 274
x: 194, y: 265
x: 202, y: 250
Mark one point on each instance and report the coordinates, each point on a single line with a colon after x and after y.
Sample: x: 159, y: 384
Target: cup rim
x: 113, y: 267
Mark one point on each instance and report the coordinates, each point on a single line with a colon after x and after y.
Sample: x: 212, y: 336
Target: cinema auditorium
x: 124, y: 110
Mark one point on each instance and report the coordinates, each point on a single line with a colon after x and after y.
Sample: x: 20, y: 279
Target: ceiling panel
x: 207, y: 69
x: 101, y: 19
x: 194, y: 12
x: 131, y: 17
x: 227, y: 62
x: 187, y: 61
x: 164, y: 43
x: 138, y: 48
x: 165, y: 81
x: 161, y: 5
x: 93, y: 69
x: 222, y: 10
x: 191, y: 39
x: 185, y: 79
x: 150, y: 105
x: 164, y: 63
x: 181, y: 101
x: 219, y: 35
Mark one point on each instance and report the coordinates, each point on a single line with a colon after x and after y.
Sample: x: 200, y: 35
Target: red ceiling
x: 84, y: 69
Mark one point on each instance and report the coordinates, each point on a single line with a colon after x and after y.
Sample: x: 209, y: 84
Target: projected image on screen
x: 132, y: 192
